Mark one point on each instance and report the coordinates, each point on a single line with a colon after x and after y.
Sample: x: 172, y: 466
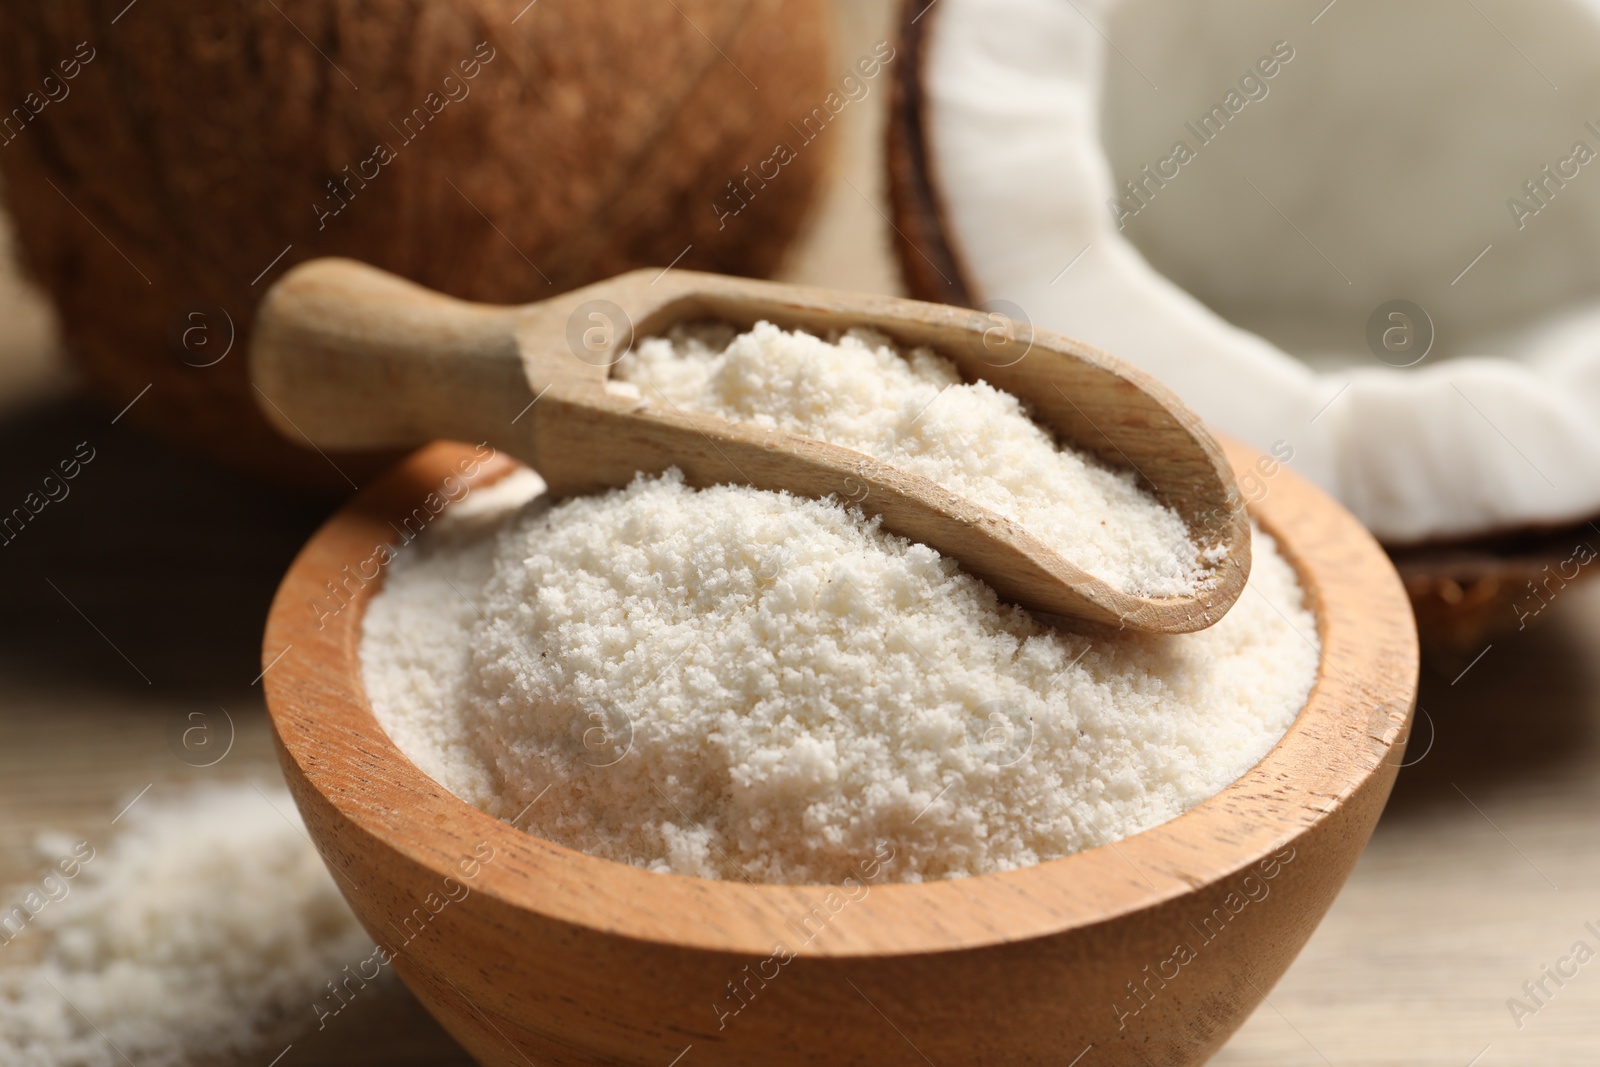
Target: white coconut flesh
x: 1379, y: 163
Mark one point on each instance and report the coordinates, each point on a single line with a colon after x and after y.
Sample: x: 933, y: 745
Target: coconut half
x: 1364, y: 235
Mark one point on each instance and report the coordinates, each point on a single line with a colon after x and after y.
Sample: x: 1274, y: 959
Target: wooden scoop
x: 347, y: 356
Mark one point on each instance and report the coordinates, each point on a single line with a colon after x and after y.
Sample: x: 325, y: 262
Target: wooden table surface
x: 140, y: 598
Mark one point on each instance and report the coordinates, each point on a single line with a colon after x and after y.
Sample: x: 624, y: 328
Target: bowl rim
x: 1353, y: 723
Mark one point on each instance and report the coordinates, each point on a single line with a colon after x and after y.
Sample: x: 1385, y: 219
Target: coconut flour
x: 203, y: 932
x: 912, y: 409
x: 734, y: 683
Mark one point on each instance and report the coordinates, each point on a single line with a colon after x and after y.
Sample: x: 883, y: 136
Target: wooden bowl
x: 1152, y: 950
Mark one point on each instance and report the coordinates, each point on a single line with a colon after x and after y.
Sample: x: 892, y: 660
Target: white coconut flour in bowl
x: 734, y: 683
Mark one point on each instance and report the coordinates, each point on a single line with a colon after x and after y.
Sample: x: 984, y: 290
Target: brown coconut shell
x: 1464, y: 593
x: 1469, y: 592
x: 928, y: 261
x: 188, y: 153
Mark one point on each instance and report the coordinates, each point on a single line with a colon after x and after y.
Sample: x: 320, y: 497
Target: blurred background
x: 135, y: 602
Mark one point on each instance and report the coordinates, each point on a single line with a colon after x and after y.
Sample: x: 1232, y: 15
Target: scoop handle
x: 348, y: 356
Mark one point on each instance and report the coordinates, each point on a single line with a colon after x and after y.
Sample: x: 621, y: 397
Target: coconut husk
x: 188, y: 164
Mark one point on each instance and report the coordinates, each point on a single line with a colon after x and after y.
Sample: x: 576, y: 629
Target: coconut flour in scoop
x: 735, y: 683
x: 912, y: 409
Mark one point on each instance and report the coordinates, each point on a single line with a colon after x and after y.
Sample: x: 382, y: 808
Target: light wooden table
x: 1484, y: 869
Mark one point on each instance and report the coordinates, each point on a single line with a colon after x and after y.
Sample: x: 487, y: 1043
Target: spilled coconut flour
x: 204, y: 930
x: 914, y: 410
x: 735, y: 683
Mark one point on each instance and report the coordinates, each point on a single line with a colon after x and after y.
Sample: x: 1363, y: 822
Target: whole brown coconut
x: 1464, y: 592
x: 167, y: 161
